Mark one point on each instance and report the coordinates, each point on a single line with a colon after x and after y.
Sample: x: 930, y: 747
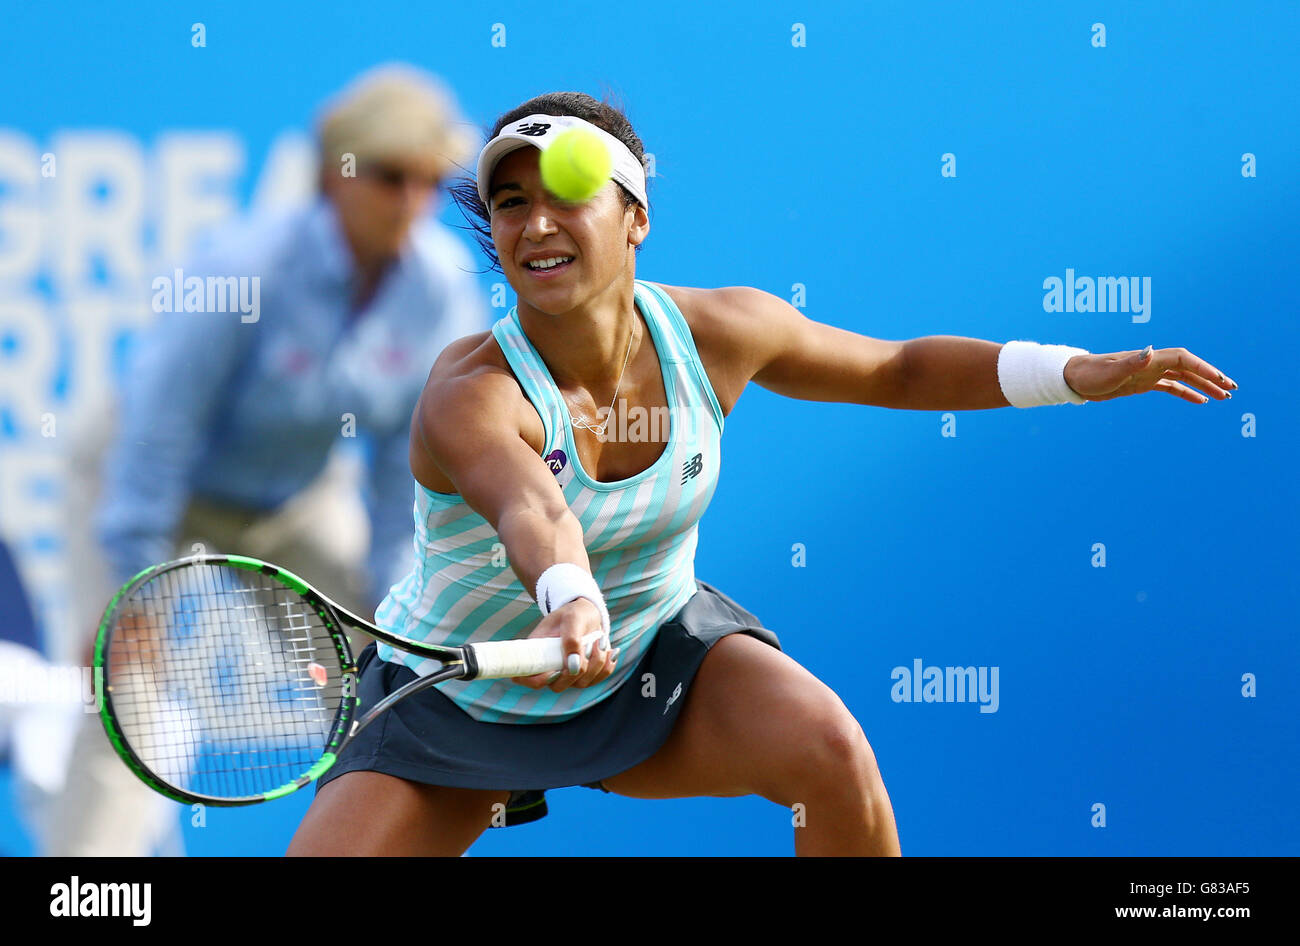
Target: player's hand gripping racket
x: 229, y: 681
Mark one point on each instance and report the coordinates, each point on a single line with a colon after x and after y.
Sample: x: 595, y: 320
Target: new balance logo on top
x: 692, y: 467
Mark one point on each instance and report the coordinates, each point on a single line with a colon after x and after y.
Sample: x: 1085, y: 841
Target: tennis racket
x: 230, y: 681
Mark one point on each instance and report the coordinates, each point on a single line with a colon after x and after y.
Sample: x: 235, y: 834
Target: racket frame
x: 459, y: 663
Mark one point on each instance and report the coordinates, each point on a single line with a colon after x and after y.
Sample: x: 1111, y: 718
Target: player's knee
x: 837, y: 757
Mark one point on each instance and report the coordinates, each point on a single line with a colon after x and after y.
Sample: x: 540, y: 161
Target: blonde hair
x: 395, y: 111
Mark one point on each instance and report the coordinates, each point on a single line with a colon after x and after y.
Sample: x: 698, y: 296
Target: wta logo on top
x: 1099, y: 294
x: 181, y: 293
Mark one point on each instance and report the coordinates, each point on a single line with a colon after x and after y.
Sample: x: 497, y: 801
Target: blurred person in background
x: 229, y: 421
x: 27, y: 718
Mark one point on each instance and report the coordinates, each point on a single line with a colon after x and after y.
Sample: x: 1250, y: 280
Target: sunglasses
x: 396, y: 178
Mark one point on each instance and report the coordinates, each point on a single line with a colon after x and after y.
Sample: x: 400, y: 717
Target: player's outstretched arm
x: 793, y: 355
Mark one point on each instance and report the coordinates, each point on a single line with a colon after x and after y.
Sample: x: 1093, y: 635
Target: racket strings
x: 225, y: 682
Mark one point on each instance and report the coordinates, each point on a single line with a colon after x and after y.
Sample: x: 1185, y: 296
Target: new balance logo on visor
x: 693, y: 467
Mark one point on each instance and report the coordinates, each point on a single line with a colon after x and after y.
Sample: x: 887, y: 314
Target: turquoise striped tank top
x: 640, y: 533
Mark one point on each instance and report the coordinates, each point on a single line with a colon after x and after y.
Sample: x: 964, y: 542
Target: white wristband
x: 1032, y: 375
x: 565, y: 581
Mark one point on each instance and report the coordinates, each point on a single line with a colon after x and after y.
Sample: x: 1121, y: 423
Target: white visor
x: 539, y: 131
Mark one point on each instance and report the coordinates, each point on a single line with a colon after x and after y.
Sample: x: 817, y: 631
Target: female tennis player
x: 536, y: 515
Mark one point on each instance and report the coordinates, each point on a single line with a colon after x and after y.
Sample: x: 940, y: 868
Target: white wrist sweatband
x: 565, y: 581
x: 1032, y: 375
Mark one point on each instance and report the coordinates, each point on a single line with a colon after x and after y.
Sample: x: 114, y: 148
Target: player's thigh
x: 370, y: 814
x: 754, y: 722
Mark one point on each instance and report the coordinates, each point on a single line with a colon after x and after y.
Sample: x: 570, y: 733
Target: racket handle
x: 523, y: 658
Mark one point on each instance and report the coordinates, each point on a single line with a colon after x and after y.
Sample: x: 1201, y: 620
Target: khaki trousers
x: 320, y: 535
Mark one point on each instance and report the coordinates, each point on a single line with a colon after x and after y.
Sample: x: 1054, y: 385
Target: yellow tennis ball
x: 576, y: 165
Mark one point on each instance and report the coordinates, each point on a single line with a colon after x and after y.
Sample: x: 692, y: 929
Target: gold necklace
x: 599, y: 429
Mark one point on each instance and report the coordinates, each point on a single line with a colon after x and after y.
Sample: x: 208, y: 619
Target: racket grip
x: 518, y: 658
x: 523, y: 658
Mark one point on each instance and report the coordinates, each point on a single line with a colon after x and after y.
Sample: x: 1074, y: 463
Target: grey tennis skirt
x: 428, y: 738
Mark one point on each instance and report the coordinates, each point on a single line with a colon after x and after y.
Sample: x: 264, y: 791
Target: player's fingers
x: 1182, y: 360
x: 594, y: 666
x: 597, y: 661
x: 611, y: 663
x: 575, y: 660
x: 597, y: 669
x: 1179, y: 390
x: 1208, y: 387
x: 593, y: 660
x: 537, y: 680
x: 601, y: 667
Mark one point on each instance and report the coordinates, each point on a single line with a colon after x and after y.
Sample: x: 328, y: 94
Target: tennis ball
x: 576, y: 165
